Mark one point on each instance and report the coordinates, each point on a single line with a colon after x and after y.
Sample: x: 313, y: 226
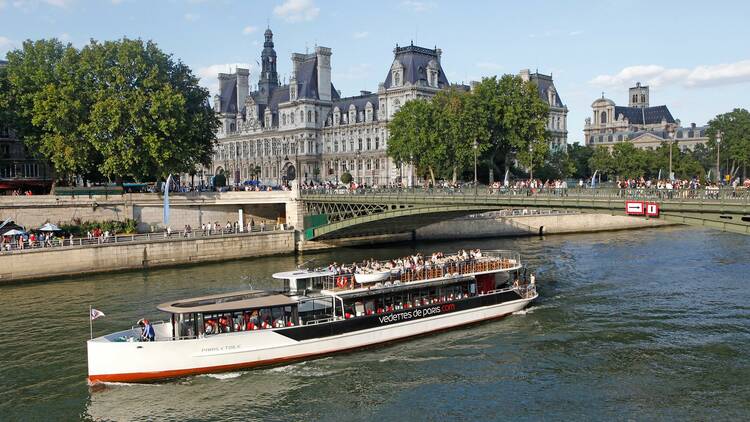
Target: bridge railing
x: 704, y: 194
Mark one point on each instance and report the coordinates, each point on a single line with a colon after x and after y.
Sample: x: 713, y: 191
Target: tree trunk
x: 455, y: 174
x: 432, y: 175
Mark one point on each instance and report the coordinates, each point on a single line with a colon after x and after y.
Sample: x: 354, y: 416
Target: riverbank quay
x: 157, y: 251
x: 147, y: 209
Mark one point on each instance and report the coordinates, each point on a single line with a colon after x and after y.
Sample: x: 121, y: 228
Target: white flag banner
x: 95, y: 313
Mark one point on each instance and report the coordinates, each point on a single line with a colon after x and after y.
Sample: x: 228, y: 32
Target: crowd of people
x: 416, y: 263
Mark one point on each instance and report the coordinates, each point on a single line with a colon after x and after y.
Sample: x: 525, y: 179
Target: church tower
x: 269, y: 79
x: 639, y: 96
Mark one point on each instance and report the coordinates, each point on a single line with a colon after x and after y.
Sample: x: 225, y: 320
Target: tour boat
x: 317, y: 312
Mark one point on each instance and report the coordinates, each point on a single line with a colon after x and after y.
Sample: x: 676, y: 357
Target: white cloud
x: 489, y: 66
x: 358, y: 35
x: 574, y: 33
x: 418, y: 6
x: 192, y: 17
x: 209, y: 74
x: 249, y: 29
x: 699, y: 76
x: 297, y: 10
x: 6, y: 44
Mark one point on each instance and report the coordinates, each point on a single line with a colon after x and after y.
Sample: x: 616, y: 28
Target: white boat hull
x: 142, y: 361
x: 372, y: 277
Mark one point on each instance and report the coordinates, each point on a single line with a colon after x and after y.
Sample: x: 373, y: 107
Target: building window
x: 368, y: 144
x: 635, y: 98
x: 283, y: 119
x: 377, y: 143
x: 643, y: 98
x: 291, y: 118
x: 309, y: 116
x: 619, y: 138
x: 609, y: 138
x: 604, y: 117
x: 396, y: 78
x: 302, y: 117
x: 359, y: 145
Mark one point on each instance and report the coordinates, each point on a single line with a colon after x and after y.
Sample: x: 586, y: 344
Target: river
x: 649, y: 324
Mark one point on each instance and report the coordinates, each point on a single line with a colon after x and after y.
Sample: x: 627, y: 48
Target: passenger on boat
x: 147, y: 330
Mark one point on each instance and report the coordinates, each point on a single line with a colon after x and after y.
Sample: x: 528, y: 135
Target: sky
x: 693, y: 54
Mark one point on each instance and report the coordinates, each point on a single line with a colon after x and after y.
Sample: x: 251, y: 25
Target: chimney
x: 324, y: 73
x: 525, y: 74
x: 243, y: 87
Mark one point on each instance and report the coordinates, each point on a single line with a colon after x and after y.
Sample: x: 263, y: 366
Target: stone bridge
x: 341, y: 214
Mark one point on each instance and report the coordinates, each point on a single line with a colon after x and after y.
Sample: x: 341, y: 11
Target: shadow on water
x: 637, y: 325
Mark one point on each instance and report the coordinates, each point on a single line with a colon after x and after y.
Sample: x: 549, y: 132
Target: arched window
x: 368, y: 144
x: 635, y: 98
x: 377, y: 143
x: 643, y: 98
x: 283, y: 119
x: 609, y: 138
x: 604, y: 117
x: 619, y: 138
x: 291, y: 118
x: 231, y: 127
x: 309, y: 116
x: 397, y: 78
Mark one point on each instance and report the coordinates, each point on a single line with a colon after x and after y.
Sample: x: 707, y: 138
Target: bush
x: 220, y: 180
x: 80, y: 229
x: 346, y: 178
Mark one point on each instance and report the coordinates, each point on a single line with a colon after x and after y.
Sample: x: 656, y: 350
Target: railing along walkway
x: 13, y: 247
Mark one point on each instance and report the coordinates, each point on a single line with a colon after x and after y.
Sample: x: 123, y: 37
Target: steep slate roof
x: 543, y: 82
x: 228, y: 93
x: 653, y: 115
x: 415, y: 60
x: 360, y: 102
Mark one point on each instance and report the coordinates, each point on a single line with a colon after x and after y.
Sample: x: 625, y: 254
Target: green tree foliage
x: 516, y: 119
x: 504, y: 117
x: 220, y: 180
x: 580, y: 155
x: 121, y: 108
x: 414, y: 137
x: 558, y: 165
x: 346, y: 178
x: 601, y: 161
x: 735, y: 139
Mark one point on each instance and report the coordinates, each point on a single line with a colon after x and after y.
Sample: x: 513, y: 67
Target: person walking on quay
x: 71, y: 239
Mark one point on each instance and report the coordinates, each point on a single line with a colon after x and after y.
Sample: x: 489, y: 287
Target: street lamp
x: 476, y: 147
x: 531, y: 166
x: 718, y: 154
x: 672, y: 134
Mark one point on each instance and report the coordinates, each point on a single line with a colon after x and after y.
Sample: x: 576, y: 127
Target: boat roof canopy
x: 233, y: 301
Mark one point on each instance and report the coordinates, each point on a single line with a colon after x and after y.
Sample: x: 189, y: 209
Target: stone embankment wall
x: 484, y: 226
x: 147, y: 209
x: 63, y: 261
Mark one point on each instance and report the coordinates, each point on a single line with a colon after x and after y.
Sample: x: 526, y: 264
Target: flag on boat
x: 95, y: 313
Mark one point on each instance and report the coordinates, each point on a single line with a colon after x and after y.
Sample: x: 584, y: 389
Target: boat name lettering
x: 417, y: 313
x: 226, y: 348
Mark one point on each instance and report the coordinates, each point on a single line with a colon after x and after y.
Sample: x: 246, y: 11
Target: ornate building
x: 558, y: 112
x: 305, y: 129
x: 639, y: 123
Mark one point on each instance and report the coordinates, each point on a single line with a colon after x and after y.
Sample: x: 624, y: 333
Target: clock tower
x: 269, y: 79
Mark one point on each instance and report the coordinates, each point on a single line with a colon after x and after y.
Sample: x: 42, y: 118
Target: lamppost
x: 476, y: 147
x: 672, y: 134
x: 718, y: 155
x: 531, y: 166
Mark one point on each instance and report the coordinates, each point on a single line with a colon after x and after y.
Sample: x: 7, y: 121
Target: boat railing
x: 319, y: 321
x: 526, y: 291
x: 490, y: 260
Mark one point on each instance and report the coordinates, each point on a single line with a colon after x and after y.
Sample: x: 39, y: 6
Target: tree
x: 516, y: 118
x: 601, y: 161
x: 121, y: 108
x: 580, y: 155
x: 557, y: 166
x: 735, y: 139
x: 346, y: 178
x: 414, y: 137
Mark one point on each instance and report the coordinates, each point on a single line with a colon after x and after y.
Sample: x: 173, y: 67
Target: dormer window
x: 396, y: 78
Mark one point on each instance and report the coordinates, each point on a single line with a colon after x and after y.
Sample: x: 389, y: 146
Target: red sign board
x: 635, y: 208
x: 652, y: 209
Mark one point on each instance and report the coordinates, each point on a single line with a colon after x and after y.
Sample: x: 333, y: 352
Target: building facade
x: 557, y: 124
x: 639, y: 123
x: 305, y: 130
x: 19, y: 169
